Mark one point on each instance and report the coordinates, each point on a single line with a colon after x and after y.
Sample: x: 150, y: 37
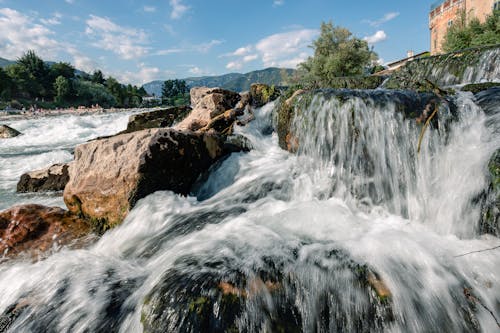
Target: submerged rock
x: 53, y: 178
x: 490, y: 206
x: 110, y: 175
x: 8, y: 132
x: 35, y: 229
x: 157, y: 118
x: 294, y: 294
x: 489, y: 100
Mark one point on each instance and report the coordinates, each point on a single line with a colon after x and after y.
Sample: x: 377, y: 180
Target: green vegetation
x: 463, y: 34
x: 175, y: 93
x: 337, y: 53
x: 30, y: 81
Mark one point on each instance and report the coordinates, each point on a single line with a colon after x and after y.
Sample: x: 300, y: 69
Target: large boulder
x: 157, y: 118
x: 109, y: 175
x: 207, y: 104
x: 8, y: 132
x: 34, y: 229
x: 53, y: 178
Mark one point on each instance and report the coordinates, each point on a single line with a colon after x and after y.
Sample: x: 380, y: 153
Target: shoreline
x: 5, y: 115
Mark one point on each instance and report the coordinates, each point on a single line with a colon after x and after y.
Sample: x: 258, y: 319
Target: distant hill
x: 5, y: 62
x: 233, y: 81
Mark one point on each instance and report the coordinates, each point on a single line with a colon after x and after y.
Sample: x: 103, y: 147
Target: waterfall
x: 357, y: 232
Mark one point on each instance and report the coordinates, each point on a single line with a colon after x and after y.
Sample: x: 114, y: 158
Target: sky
x: 140, y: 41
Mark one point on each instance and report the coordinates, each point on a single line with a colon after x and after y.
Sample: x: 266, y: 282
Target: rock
x: 222, y: 123
x: 489, y: 100
x: 53, y: 178
x: 207, y: 104
x: 490, y: 199
x: 212, y: 293
x: 36, y: 229
x: 244, y: 101
x: 157, y: 118
x: 261, y: 94
x: 110, y: 175
x: 8, y: 132
x: 411, y: 105
x: 478, y: 87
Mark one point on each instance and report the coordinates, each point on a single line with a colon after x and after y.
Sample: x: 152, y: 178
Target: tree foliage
x: 175, y: 92
x: 463, y: 34
x: 31, y: 80
x: 336, y: 53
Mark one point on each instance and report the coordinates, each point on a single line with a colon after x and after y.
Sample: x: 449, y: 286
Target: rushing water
x: 357, y: 197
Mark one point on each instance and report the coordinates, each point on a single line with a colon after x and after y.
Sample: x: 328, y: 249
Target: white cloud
x: 149, y: 9
x: 128, y: 43
x: 54, y: 20
x: 376, y: 37
x: 167, y: 52
x: 19, y: 33
x: 234, y: 65
x: 386, y: 18
x: 178, y: 9
x: 205, y: 47
x: 250, y: 57
x: 70, y: 1
x: 277, y: 3
x: 143, y: 75
x: 81, y: 61
x: 286, y: 49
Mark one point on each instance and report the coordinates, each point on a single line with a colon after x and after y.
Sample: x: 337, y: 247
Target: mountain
x: 232, y: 81
x: 5, y: 62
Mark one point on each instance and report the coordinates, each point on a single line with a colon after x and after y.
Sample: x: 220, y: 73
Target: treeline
x: 33, y: 82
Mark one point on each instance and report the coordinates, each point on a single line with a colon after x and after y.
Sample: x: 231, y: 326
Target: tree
x: 336, y: 53
x: 39, y: 70
x: 6, y: 86
x: 463, y: 34
x: 62, y: 88
x: 97, y: 77
x: 175, y: 92
x: 63, y: 69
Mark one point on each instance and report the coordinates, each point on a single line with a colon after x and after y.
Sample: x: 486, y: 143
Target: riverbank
x: 8, y: 116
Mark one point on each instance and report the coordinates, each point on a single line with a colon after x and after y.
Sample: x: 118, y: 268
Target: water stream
x: 296, y: 236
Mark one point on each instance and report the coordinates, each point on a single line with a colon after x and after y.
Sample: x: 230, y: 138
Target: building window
x: 496, y: 5
x: 450, y: 22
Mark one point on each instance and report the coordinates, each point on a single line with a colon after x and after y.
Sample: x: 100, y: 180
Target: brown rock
x: 157, y: 118
x: 36, y: 229
x: 207, y: 104
x: 108, y: 176
x: 8, y: 132
x: 53, y: 178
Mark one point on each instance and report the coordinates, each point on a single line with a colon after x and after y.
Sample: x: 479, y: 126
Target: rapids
x: 313, y: 222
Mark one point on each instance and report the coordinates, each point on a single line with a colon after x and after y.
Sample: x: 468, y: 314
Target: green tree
x: 97, y: 77
x: 336, y: 53
x: 39, y: 70
x: 175, y: 92
x: 62, y: 88
x: 463, y: 34
x: 63, y: 69
x: 25, y: 84
x: 6, y: 86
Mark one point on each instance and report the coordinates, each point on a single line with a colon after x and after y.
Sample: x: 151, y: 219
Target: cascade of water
x: 355, y: 233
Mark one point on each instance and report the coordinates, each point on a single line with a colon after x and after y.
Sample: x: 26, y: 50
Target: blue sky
x: 139, y: 41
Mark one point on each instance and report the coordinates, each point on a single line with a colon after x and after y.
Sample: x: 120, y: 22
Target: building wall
x: 449, y: 11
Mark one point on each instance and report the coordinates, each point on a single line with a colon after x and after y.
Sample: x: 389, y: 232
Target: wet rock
x: 8, y: 132
x: 490, y: 199
x: 478, y: 87
x: 411, y: 105
x: 261, y: 94
x: 210, y: 294
x: 489, y: 100
x: 53, y: 178
x: 207, y: 104
x: 35, y: 229
x: 157, y: 118
x: 110, y: 175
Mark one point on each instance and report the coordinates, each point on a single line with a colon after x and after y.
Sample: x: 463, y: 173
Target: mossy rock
x: 490, y: 207
x: 478, y: 87
x: 261, y: 94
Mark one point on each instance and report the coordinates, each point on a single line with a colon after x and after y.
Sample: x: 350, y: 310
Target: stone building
x: 444, y: 12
